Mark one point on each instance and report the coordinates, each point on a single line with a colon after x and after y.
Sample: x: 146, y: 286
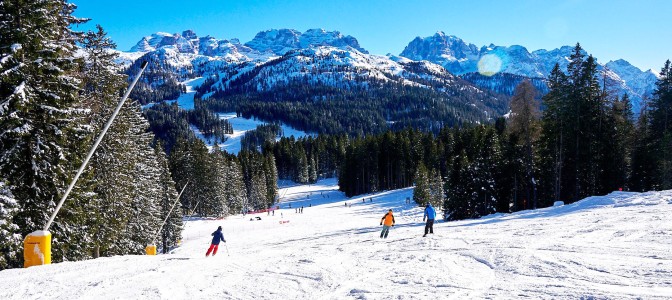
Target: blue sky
x: 637, y: 31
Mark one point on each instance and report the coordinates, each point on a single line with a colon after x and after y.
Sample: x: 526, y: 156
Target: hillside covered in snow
x: 182, y: 56
x: 605, y: 247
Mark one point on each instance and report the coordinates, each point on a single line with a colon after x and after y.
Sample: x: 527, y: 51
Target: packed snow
x: 609, y: 247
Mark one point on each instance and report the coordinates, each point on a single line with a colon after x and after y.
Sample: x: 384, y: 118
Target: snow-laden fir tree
x: 312, y: 170
x: 145, y: 210
x: 10, y: 239
x: 271, y: 173
x: 421, y: 192
x: 458, y: 193
x: 301, y: 161
x: 483, y: 168
x: 111, y: 166
x: 235, y: 193
x: 38, y: 119
x: 219, y: 181
x: 171, y: 232
x: 182, y: 164
x: 436, y: 192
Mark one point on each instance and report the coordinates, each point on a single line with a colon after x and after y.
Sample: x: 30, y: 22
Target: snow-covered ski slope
x: 240, y: 125
x: 617, y: 246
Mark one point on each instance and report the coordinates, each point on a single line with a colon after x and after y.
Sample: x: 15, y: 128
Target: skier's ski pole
x: 227, y: 249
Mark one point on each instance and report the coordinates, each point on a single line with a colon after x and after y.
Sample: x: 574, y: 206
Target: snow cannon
x: 37, y: 249
x: 150, y: 249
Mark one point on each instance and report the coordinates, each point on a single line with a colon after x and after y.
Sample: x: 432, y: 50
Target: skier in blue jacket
x: 430, y: 214
x: 217, y: 236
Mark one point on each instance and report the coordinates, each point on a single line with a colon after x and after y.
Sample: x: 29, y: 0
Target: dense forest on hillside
x: 331, y: 110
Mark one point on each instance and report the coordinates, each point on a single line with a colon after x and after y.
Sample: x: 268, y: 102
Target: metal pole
x: 171, y: 211
x: 193, y: 210
x: 95, y: 145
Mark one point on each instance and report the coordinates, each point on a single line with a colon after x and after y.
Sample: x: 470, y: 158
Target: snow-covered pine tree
x: 312, y: 170
x: 436, y: 192
x: 272, y: 178
x: 487, y: 156
x: 145, y: 212
x: 458, y: 203
x: 219, y: 182
x: 38, y: 95
x: 171, y: 232
x: 421, y: 192
x: 258, y: 190
x: 301, y: 175
x: 235, y: 193
x: 182, y: 165
x: 10, y: 239
x: 111, y: 165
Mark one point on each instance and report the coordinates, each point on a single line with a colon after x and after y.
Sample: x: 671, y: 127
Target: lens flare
x: 489, y: 65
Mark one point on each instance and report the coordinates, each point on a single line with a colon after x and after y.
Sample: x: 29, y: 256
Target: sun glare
x: 489, y: 65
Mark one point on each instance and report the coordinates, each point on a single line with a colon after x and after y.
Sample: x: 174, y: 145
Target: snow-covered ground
x: 609, y: 247
x: 186, y: 100
x: 240, y: 125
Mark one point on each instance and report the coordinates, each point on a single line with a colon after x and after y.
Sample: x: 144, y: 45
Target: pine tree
x: 235, y: 192
x: 312, y: 170
x: 422, y: 192
x: 458, y: 203
x: 661, y: 126
x: 218, y: 182
x: 271, y: 178
x: 554, y: 139
x: 182, y: 168
x: 171, y: 232
x: 643, y: 163
x: 523, y: 125
x: 143, y: 216
x: 618, y: 170
x: 38, y: 115
x: 10, y: 239
x: 436, y: 191
x: 111, y: 167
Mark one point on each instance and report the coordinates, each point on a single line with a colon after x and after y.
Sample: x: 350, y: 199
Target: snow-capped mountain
x: 460, y: 58
x: 641, y: 82
x: 350, y: 76
x: 186, y: 55
x: 343, y: 68
x: 279, y: 57
x: 280, y: 41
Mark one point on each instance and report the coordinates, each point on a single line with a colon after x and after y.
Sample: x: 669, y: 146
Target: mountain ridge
x: 460, y: 57
x: 208, y: 54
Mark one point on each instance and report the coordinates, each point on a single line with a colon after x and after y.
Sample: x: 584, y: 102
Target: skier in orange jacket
x: 388, y: 221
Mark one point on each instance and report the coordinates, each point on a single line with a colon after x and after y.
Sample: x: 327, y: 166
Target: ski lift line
x: 95, y: 145
x: 170, y: 212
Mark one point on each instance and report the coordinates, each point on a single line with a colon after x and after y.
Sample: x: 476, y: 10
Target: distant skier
x: 430, y: 214
x: 217, y: 236
x: 388, y: 221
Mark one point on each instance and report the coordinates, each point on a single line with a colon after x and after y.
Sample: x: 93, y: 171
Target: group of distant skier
x: 387, y: 221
